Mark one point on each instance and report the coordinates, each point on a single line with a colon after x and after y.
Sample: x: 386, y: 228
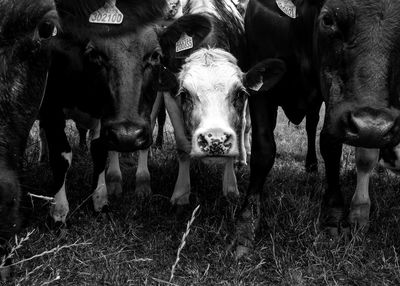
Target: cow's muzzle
x: 214, y: 142
x: 127, y: 137
x: 370, y: 128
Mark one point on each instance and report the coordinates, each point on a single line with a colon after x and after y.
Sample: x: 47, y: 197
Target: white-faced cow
x: 26, y: 27
x: 208, y: 108
x: 348, y: 52
x: 106, y: 77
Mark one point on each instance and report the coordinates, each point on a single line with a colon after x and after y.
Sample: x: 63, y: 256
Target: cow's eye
x: 328, y: 22
x: 184, y: 95
x: 46, y: 30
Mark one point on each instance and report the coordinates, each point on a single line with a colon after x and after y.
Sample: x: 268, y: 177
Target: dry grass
x: 137, y: 244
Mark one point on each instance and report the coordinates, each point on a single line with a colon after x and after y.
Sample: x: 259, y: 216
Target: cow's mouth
x: 370, y: 129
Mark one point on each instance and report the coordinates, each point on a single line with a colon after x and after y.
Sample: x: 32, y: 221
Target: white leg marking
x: 96, y: 131
x: 229, y: 184
x: 60, y: 209
x: 143, y: 187
x: 366, y: 160
x: 247, y: 133
x: 43, y: 147
x: 182, y: 186
x: 100, y: 197
x: 114, y: 177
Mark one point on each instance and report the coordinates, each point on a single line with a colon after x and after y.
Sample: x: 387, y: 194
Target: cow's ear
x: 179, y: 39
x: 265, y: 75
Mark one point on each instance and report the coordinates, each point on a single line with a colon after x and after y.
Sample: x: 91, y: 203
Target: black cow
x: 26, y: 27
x: 346, y: 50
x: 106, y: 78
x: 358, y: 51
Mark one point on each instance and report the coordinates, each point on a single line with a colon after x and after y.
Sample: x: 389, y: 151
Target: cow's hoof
x: 100, y: 198
x: 143, y: 187
x: 180, y: 199
x: 6, y: 271
x: 231, y: 192
x: 59, y: 212
x: 359, y: 217
x: 114, y: 189
x: 331, y: 218
x: 241, y: 252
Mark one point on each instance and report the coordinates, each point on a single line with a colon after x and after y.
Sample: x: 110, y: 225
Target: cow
x: 27, y: 28
x: 105, y: 77
x: 208, y: 107
x: 359, y: 80
x: 344, y: 52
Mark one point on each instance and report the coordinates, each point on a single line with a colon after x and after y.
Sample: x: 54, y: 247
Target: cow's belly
x: 390, y: 159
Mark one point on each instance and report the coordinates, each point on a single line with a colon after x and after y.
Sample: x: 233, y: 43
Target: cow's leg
x: 247, y: 131
x: 332, y: 208
x: 229, y: 183
x: 43, y: 146
x: 99, y: 154
x: 161, y: 118
x: 114, y: 177
x: 366, y: 160
x: 82, y: 137
x: 244, y: 136
x: 182, y: 186
x: 60, y: 155
x: 263, y: 117
x: 312, y: 120
x: 143, y: 188
x: 181, y: 193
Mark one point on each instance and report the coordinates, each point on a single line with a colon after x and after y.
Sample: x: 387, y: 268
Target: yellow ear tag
x: 109, y: 14
x: 287, y: 7
x: 184, y: 43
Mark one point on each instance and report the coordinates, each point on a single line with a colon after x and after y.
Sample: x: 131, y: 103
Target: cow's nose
x: 126, y: 137
x: 216, y: 142
x: 369, y: 127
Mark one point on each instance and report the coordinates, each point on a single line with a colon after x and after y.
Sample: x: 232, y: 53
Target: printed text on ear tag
x: 287, y: 7
x: 109, y: 14
x: 184, y: 43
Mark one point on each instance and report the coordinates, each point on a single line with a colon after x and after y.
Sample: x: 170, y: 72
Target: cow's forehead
x: 211, y: 70
x: 137, y: 43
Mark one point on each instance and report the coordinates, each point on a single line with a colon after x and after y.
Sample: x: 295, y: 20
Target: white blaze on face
x: 211, y: 78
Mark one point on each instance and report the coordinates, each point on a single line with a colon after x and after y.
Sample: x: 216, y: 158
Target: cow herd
x: 112, y: 65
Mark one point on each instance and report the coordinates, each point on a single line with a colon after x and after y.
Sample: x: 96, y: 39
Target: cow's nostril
x: 228, y: 138
x: 202, y: 141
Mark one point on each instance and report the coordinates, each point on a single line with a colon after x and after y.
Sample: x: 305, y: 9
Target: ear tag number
x: 287, y: 7
x: 109, y: 14
x: 184, y: 43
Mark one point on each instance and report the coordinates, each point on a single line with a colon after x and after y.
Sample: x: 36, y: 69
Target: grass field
x: 137, y: 243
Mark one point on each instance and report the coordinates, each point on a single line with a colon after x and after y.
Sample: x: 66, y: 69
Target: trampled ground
x: 137, y: 244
